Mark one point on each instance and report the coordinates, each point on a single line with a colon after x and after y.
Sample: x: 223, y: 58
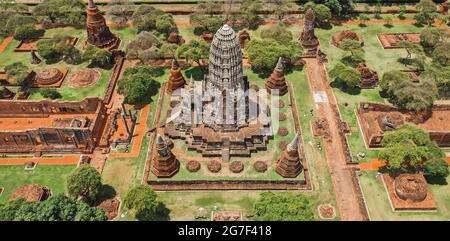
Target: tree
x: 354, y: 53
x: 281, y: 8
x: 120, y: 10
x: 58, y: 208
x: 388, y: 21
x: 144, y: 17
x: 84, y: 183
x: 392, y: 78
x: 28, y: 32
x: 194, y: 51
x: 50, y: 93
x: 441, y: 54
x: 283, y: 207
x: 440, y: 75
x: 278, y: 33
x: 408, y: 148
x: 46, y: 49
x: 427, y: 12
x: 263, y: 54
x: 205, y: 23
x: 436, y: 168
x: 248, y: 11
x: 430, y: 37
x: 363, y: 18
x: 17, y: 73
x: 401, y: 11
x: 417, y: 97
x: 165, y: 24
x: 378, y: 11
x: 9, y: 209
x: 144, y: 40
x: 322, y: 12
x: 209, y: 7
x: 143, y: 201
x: 137, y: 84
x: 12, y: 22
x: 334, y: 6
x: 97, y: 56
x: 345, y: 75
x: 60, y: 11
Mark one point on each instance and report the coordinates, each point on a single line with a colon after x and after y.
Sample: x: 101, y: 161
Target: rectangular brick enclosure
x: 392, y: 40
x: 373, y: 117
x: 50, y: 127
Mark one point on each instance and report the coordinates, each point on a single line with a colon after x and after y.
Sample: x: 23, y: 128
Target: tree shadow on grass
x: 197, y: 73
x: 345, y: 88
x: 106, y: 192
x: 436, y: 180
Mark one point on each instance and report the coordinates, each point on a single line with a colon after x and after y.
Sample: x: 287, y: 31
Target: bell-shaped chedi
x: 307, y: 38
x: 289, y: 164
x: 369, y: 77
x: 176, y: 79
x: 165, y: 164
x: 276, y: 83
x: 98, y: 34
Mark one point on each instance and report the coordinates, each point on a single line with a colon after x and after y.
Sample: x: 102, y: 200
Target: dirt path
x: 348, y: 199
x: 64, y: 160
x: 5, y: 43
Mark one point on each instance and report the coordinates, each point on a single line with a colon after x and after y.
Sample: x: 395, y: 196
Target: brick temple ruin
x: 38, y: 127
x: 98, y: 34
x: 392, y: 40
x: 222, y: 124
x: 377, y: 119
x: 276, y: 83
x: 308, y: 38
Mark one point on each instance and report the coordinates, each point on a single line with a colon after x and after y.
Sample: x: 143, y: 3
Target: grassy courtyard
x: 67, y: 93
x: 52, y: 176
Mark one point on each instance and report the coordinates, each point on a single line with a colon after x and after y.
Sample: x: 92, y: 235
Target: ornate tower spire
x: 98, y: 34
x: 165, y: 164
x: 276, y: 83
x: 176, y: 79
x: 289, y: 164
x: 307, y: 38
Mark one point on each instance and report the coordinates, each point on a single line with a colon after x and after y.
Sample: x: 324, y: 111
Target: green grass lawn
x: 52, y: 176
x: 380, y: 209
x: 67, y: 92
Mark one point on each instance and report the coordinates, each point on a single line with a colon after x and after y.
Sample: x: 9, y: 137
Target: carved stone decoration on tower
x: 289, y: 164
x: 176, y: 79
x: 214, y: 115
x: 307, y: 38
x: 276, y: 81
x: 165, y: 164
x: 98, y: 34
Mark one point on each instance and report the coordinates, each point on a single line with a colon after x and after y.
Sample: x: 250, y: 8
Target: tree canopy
x: 56, y: 208
x: 97, y: 56
x: 194, y: 51
x: 148, y: 18
x: 61, y: 11
x: 417, y: 97
x: 120, y: 10
x: 282, y: 206
x: 278, y: 33
x: 142, y: 200
x: 85, y: 182
x: 408, y: 148
x: 346, y: 76
x: 392, y: 78
x: 264, y: 53
x: 138, y: 84
x: 427, y: 12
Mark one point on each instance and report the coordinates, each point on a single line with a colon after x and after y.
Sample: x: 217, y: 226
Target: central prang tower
x: 217, y: 116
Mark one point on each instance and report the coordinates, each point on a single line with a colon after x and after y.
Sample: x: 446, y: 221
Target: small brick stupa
x: 276, y: 81
x: 308, y: 38
x: 289, y: 165
x: 176, y: 79
x: 165, y: 164
x: 98, y: 34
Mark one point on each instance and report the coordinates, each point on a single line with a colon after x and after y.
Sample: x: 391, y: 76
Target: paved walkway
x: 347, y: 197
x: 5, y: 43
